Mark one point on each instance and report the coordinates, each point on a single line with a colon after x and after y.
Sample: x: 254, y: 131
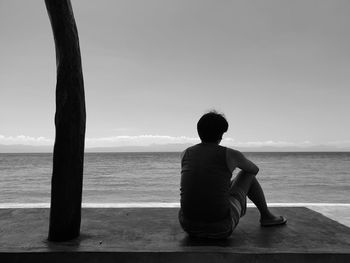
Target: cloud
x: 142, y: 140
x: 26, y: 140
x: 112, y: 141
x: 148, y: 139
x: 122, y: 129
x: 138, y: 140
x: 339, y: 143
x: 271, y: 143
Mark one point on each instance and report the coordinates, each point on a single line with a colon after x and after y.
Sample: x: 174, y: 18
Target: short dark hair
x: 211, y: 126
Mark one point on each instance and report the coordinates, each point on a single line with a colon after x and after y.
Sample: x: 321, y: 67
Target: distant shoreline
x: 145, y: 152
x: 19, y: 148
x: 160, y: 205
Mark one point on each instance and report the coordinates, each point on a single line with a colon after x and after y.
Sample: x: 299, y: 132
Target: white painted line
x: 304, y: 204
x: 160, y: 204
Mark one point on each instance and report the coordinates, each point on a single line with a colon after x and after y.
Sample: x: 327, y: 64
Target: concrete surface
x: 338, y: 213
x: 154, y: 235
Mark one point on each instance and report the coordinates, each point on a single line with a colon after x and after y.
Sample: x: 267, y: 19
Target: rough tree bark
x: 68, y: 155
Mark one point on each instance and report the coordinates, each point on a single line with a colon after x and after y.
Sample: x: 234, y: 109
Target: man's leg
x: 251, y: 187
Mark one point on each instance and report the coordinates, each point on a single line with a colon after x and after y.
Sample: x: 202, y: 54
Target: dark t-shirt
x: 205, y: 183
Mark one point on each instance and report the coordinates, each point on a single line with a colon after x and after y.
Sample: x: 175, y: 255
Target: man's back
x: 212, y: 204
x: 205, y: 183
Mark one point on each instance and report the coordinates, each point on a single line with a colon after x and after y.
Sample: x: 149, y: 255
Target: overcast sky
x: 279, y: 70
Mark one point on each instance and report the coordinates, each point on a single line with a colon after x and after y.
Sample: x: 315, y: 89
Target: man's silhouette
x: 212, y: 203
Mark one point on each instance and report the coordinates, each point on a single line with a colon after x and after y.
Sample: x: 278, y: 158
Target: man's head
x: 211, y: 126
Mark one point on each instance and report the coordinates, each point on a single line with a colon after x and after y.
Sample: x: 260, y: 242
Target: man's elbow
x: 256, y: 170
x: 252, y: 170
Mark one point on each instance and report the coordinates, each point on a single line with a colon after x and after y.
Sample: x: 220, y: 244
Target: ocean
x: 305, y: 177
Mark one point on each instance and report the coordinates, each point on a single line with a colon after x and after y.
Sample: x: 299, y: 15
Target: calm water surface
x: 154, y: 177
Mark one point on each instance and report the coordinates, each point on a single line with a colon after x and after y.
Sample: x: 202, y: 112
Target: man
x: 212, y: 204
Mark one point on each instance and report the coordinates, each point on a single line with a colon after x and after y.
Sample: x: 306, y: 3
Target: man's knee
x: 243, y: 181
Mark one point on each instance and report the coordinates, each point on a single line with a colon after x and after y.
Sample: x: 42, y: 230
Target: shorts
x: 219, y: 229
x: 238, y: 203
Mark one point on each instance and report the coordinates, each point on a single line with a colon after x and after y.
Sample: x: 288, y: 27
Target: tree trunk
x: 68, y: 155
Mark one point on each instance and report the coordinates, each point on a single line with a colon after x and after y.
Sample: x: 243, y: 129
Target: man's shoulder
x: 188, y: 149
x: 233, y: 154
x: 192, y: 147
x: 232, y: 151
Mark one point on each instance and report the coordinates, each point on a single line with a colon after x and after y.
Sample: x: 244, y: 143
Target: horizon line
x: 179, y: 151
x: 160, y: 205
x: 149, y: 140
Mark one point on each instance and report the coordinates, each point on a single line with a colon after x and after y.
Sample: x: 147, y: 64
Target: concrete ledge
x: 154, y: 235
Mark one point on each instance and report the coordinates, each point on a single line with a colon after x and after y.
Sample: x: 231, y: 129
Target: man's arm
x: 235, y: 159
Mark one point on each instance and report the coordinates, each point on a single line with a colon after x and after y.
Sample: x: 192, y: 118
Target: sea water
x: 316, y: 177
